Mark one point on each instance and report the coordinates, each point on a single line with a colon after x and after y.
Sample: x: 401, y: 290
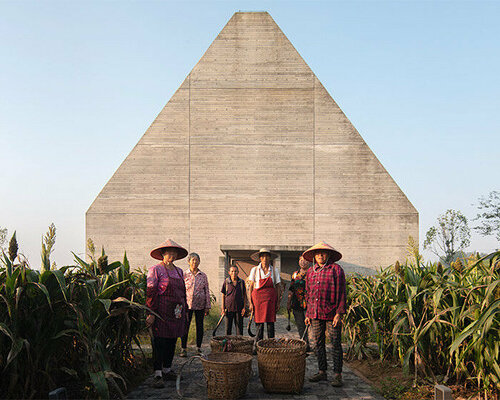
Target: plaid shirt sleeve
x: 341, y: 291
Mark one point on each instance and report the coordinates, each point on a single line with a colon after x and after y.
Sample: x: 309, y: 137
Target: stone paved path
x: 193, y: 384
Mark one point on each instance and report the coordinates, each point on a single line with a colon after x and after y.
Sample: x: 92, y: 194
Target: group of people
x: 317, y: 298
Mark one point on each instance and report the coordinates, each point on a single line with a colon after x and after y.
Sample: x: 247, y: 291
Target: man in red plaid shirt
x: 326, y: 303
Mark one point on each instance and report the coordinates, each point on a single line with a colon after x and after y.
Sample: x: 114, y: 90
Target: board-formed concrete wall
x: 252, y: 150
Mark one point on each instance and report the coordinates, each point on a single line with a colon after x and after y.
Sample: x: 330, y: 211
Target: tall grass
x: 71, y: 326
x: 440, y: 322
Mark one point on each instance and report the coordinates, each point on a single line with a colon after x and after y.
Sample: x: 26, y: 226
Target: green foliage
x: 449, y: 237
x: 489, y: 215
x: 437, y: 321
x: 48, y: 242
x: 3, y: 237
x: 71, y: 326
x: 13, y: 248
x: 392, y: 389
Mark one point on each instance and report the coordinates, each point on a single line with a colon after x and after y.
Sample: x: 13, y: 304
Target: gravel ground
x: 194, y: 387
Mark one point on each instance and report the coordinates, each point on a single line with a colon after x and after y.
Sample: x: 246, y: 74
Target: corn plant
x: 440, y: 322
x: 73, y: 325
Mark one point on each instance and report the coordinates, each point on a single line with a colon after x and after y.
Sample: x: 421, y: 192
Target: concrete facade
x: 251, y: 150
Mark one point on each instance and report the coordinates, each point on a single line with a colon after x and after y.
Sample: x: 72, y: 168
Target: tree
x: 489, y: 216
x: 451, y: 235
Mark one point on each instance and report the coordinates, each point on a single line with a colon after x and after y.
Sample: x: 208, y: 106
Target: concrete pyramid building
x: 251, y: 150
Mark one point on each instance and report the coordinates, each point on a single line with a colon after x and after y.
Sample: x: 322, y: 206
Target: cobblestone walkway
x: 193, y: 384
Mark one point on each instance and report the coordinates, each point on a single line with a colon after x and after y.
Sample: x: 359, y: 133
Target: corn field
x: 71, y: 326
x: 441, y: 322
x: 74, y: 326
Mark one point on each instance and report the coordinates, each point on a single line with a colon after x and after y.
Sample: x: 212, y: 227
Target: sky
x: 81, y: 81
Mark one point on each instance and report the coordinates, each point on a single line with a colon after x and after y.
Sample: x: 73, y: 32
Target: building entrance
x: 239, y: 255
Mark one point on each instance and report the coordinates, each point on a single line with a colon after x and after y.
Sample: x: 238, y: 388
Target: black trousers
x: 163, y: 352
x: 199, y: 317
x: 319, y: 327
x: 236, y: 317
x: 260, y: 330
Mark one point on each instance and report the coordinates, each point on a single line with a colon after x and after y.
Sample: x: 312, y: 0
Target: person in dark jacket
x: 297, y: 302
x: 233, y: 301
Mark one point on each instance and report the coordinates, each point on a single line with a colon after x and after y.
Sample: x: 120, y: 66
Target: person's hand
x: 243, y: 312
x: 223, y: 312
x: 207, y: 310
x: 150, y: 319
x: 336, y: 320
x: 307, y: 321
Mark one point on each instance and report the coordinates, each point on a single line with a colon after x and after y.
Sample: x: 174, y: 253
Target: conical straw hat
x: 309, y: 253
x: 256, y: 256
x: 157, y: 251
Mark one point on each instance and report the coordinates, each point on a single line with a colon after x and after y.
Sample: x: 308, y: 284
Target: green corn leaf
x: 108, y: 292
x: 11, y: 280
x: 6, y: 331
x: 69, y: 371
x: 99, y: 381
x: 113, y: 266
x: 19, y: 292
x: 7, y: 303
x: 475, y: 325
x: 111, y: 374
x: 44, y: 290
x: 59, y: 275
x: 15, y: 349
x: 106, y: 303
x: 8, y: 264
x: 399, y: 309
x: 80, y: 262
x: 126, y: 264
x: 65, y: 332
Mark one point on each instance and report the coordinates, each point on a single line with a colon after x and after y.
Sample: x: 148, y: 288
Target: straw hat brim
x: 334, y: 254
x: 169, y: 244
x: 256, y: 256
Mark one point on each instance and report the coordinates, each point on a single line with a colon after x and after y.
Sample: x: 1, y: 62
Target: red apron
x: 264, y: 301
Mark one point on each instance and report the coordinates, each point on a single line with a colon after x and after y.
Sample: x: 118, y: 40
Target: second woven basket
x: 227, y: 375
x: 282, y: 364
x: 235, y: 344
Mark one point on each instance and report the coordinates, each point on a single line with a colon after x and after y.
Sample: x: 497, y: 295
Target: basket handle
x: 178, y: 379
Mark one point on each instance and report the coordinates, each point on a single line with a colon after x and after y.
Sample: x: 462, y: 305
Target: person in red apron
x: 264, y: 292
x: 166, y: 296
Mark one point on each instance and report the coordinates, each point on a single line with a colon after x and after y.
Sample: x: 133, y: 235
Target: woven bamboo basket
x: 233, y: 343
x: 282, y: 364
x: 227, y: 374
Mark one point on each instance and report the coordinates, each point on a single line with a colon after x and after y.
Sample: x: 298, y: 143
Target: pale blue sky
x: 81, y: 81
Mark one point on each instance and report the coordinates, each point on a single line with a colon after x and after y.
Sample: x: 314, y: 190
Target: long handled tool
x: 218, y: 323
x: 249, y: 330
x: 305, y: 332
x: 288, y: 326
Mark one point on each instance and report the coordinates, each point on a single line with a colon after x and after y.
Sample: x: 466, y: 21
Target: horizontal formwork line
x: 246, y: 214
x: 244, y: 144
x: 308, y: 89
